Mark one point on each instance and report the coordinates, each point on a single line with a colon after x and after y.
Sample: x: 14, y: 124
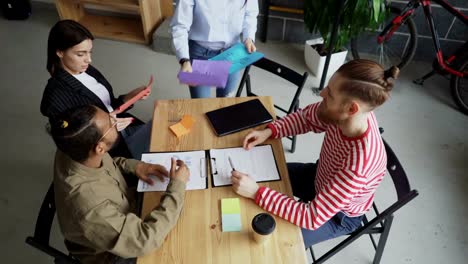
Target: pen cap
x: 263, y: 224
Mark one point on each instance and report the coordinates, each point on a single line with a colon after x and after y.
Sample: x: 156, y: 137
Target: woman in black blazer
x: 74, y: 82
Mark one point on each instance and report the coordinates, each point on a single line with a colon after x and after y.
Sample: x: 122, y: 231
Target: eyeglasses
x: 113, y: 122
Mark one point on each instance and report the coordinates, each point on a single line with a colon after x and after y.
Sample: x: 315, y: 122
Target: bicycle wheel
x: 459, y: 86
x: 398, y: 50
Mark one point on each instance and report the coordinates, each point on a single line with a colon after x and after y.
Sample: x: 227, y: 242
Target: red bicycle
x: 387, y: 46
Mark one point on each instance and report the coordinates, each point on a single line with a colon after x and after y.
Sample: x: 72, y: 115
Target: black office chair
x: 382, y: 222
x: 40, y: 240
x: 281, y: 71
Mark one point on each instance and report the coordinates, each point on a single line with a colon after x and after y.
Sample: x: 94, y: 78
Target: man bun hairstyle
x: 367, y: 81
x: 75, y: 132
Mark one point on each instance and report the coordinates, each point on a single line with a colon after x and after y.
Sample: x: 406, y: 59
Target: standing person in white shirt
x: 202, y: 29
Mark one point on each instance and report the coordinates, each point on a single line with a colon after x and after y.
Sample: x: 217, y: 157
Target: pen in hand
x: 230, y: 163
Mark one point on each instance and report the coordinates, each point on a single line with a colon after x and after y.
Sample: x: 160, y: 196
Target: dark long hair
x: 64, y: 35
x: 75, y: 132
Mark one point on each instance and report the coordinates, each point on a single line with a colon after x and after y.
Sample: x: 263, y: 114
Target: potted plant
x: 320, y: 15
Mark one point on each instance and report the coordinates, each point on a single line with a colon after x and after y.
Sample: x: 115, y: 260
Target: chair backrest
x: 384, y: 218
x: 399, y: 177
x: 41, y: 237
x: 280, y: 71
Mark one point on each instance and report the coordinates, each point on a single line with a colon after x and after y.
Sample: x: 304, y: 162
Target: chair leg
x: 293, y: 144
x: 383, y: 240
x: 312, y: 254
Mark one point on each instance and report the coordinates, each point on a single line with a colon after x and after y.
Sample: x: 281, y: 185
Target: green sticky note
x: 231, y: 223
x: 230, y: 206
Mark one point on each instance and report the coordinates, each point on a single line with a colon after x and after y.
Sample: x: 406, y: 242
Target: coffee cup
x: 263, y: 226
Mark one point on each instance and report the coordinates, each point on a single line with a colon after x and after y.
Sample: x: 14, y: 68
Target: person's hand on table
x: 249, y: 45
x: 143, y: 170
x: 244, y: 185
x: 136, y: 91
x: 179, y: 170
x: 256, y: 137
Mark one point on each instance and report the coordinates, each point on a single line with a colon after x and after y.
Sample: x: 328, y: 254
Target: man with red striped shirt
x: 338, y: 190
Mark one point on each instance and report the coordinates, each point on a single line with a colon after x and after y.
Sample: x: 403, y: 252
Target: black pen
x: 230, y: 162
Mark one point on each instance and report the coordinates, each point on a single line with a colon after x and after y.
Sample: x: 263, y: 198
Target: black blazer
x: 63, y: 92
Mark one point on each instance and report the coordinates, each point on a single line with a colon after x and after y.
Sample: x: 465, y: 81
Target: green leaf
x: 376, y: 5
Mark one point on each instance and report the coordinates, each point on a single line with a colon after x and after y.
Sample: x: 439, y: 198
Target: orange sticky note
x: 187, y: 121
x: 183, y: 127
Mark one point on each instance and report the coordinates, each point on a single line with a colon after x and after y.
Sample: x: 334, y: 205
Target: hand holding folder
x: 205, y: 72
x: 146, y: 91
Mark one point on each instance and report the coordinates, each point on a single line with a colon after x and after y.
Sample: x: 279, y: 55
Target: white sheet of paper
x: 195, y: 160
x: 259, y: 163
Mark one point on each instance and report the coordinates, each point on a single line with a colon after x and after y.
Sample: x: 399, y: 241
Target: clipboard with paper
x: 259, y: 163
x: 195, y: 161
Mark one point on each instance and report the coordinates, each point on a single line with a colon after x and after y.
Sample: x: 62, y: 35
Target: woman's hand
x: 244, y: 185
x: 136, y: 91
x: 143, y: 170
x: 249, y: 45
x: 256, y: 137
x: 122, y: 123
x: 186, y: 67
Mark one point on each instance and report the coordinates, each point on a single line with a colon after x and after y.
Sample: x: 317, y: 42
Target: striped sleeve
x: 299, y: 122
x: 327, y: 203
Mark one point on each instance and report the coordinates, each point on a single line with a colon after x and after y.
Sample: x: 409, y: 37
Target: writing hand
x: 244, y: 185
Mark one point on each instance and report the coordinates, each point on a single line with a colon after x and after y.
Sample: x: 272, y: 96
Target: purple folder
x: 205, y: 72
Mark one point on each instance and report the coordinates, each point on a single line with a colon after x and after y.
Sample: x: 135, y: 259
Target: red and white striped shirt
x: 349, y: 171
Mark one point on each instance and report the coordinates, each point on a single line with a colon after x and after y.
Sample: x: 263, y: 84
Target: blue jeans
x: 199, y: 52
x: 302, y: 176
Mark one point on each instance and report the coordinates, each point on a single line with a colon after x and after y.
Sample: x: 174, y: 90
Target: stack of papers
x: 230, y: 214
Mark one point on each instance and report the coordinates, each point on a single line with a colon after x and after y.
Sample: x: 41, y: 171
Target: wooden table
x: 197, y: 237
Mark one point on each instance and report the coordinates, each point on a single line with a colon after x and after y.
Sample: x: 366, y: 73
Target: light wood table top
x: 198, y: 237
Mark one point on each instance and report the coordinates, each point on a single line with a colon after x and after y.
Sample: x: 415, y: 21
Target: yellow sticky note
x: 230, y: 206
x: 187, y: 121
x: 178, y: 129
x: 183, y: 127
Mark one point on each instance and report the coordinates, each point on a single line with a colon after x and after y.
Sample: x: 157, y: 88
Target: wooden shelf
x: 124, y: 5
x: 126, y: 29
x: 149, y: 14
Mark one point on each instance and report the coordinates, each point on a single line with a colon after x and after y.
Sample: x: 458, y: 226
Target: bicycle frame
x: 408, y: 11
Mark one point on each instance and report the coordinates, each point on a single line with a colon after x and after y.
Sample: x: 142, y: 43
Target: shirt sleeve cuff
x: 258, y: 196
x: 274, y: 131
x: 176, y: 186
x: 131, y: 165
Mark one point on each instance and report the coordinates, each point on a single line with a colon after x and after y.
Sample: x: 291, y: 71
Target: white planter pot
x: 316, y: 63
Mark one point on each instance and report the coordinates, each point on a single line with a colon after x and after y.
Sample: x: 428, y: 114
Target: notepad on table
x: 183, y: 127
x: 230, y: 215
x: 239, y: 56
x: 206, y: 72
x: 195, y: 160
